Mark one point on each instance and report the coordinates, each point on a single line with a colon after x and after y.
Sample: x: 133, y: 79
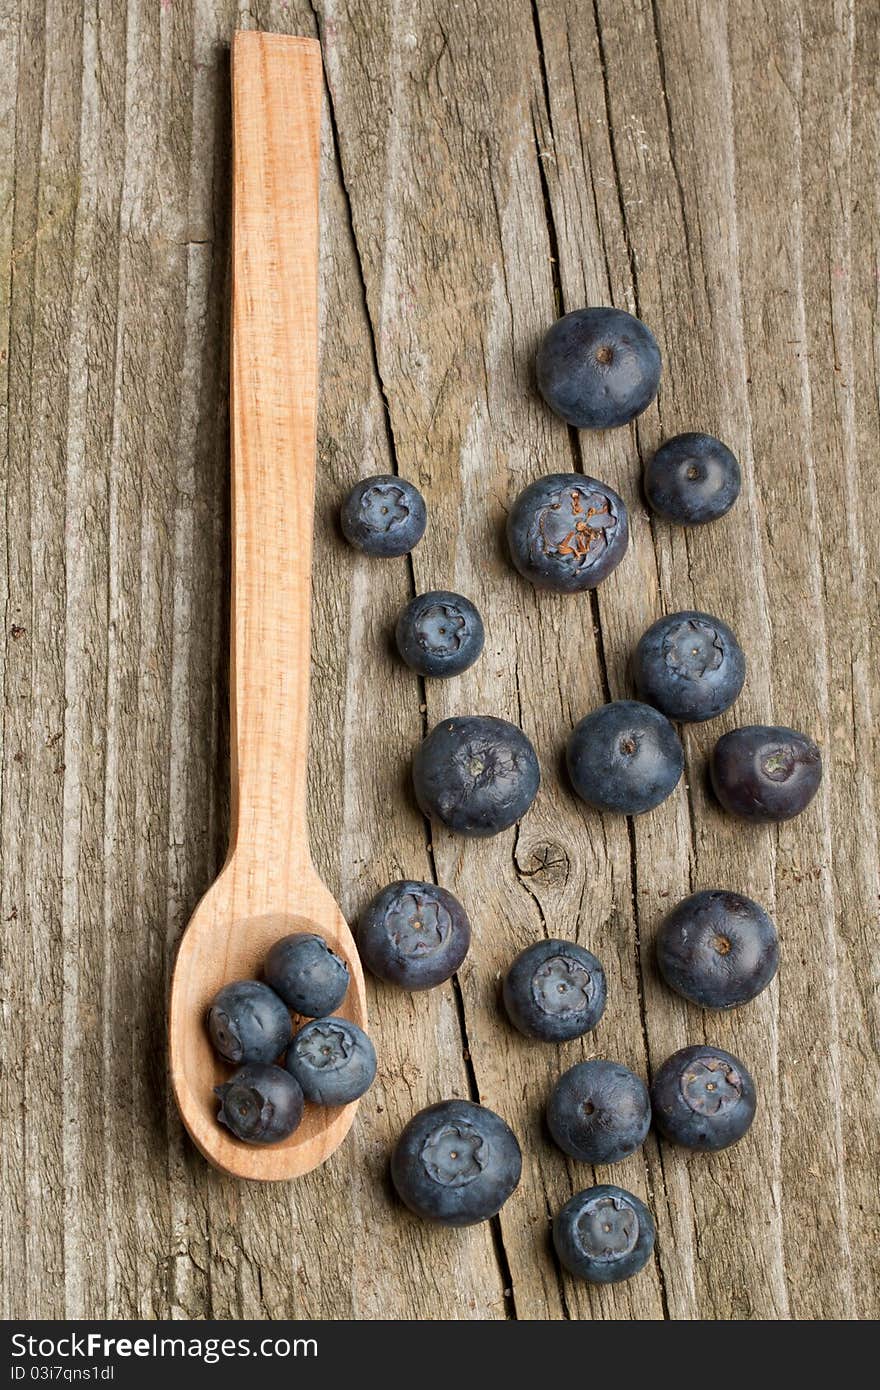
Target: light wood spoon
x: 268, y: 885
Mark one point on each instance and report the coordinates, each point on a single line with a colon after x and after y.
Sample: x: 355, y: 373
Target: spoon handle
x: 276, y: 100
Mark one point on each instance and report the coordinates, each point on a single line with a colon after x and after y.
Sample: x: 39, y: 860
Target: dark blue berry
x: 692, y: 479
x: 476, y: 775
x: 333, y: 1060
x: 439, y: 634
x: 624, y: 757
x: 384, y: 516
x: 765, y: 773
x: 604, y: 1234
x: 599, y: 1112
x: 598, y: 368
x: 554, y: 990
x: 310, y: 978
x: 567, y: 532
x: 717, y: 949
x: 261, y: 1104
x: 703, y: 1098
x: 415, y: 935
x: 456, y: 1163
x: 248, y: 1022
x: 690, y: 666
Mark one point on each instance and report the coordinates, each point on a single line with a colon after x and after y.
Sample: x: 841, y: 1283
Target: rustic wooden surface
x: 710, y: 166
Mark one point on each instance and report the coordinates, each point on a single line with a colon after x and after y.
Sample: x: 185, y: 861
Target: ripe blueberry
x: 310, y: 978
x: 415, y: 935
x: 554, y: 990
x: 703, y: 1098
x: 604, y: 1234
x: 439, y: 634
x: 765, y: 773
x: 717, y: 949
x: 333, y: 1060
x: 248, y: 1022
x: 384, y: 516
x: 625, y: 757
x: 690, y: 666
x: 477, y: 775
x: 692, y: 479
x: 599, y: 1112
x: 456, y: 1163
x: 261, y: 1104
x: 598, y: 368
x: 567, y: 532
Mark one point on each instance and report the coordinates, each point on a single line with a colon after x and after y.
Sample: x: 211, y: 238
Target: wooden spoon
x: 268, y: 885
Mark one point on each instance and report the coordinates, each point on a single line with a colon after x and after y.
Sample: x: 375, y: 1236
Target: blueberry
x: 717, y: 949
x: 703, y: 1098
x: 599, y: 1112
x: 598, y: 368
x: 692, y: 479
x: 624, y: 757
x: 690, y: 666
x: 333, y: 1060
x: 476, y: 775
x: 554, y: 990
x: 439, y: 634
x: 311, y: 979
x: 261, y: 1104
x: 765, y: 773
x: 248, y: 1022
x: 567, y: 532
x: 604, y: 1234
x: 415, y: 935
x: 456, y: 1163
x: 384, y: 516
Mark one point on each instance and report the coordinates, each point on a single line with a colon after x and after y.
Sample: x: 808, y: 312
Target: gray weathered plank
x: 626, y: 163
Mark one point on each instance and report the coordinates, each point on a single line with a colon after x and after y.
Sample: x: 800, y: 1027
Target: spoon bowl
x: 268, y: 886
x: 228, y: 939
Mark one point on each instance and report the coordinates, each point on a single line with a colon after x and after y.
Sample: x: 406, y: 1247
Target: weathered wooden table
x: 711, y: 167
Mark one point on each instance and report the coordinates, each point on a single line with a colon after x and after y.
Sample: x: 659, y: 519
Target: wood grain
x: 268, y: 887
x: 711, y: 166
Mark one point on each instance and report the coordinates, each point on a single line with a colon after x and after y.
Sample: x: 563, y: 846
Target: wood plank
x: 364, y: 834
x: 46, y: 159
x: 855, y: 294
x: 785, y: 290
x: 850, y: 883
x: 459, y: 283
x: 481, y: 166
x: 647, y: 200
